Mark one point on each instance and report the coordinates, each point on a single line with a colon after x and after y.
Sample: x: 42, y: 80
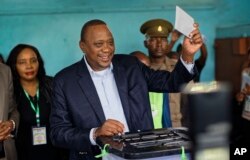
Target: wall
x: 56, y: 35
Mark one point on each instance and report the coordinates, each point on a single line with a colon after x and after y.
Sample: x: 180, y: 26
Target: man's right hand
x: 5, y: 130
x: 109, y: 128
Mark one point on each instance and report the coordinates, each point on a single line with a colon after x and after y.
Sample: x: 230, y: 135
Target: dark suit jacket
x: 77, y: 108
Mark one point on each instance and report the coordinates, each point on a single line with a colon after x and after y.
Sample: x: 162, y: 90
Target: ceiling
x: 17, y: 7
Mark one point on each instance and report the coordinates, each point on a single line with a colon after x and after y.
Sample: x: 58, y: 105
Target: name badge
x: 39, y: 135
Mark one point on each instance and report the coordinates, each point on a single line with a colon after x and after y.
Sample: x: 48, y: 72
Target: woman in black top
x: 33, y: 95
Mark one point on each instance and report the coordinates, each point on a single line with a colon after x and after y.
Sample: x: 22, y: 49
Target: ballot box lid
x: 148, y: 144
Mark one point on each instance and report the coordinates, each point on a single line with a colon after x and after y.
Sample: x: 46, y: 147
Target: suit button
x: 82, y: 153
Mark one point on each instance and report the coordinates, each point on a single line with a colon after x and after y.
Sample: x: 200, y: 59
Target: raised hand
x: 192, y: 45
x: 175, y: 35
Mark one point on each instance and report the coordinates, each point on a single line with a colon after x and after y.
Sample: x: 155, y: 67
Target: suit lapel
x: 87, y: 87
x: 122, y: 86
x: 3, y: 98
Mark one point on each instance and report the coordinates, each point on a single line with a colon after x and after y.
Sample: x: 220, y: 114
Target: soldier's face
x: 98, y: 46
x: 157, y: 46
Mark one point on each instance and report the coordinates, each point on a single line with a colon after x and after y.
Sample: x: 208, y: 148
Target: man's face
x: 98, y: 46
x: 157, y: 46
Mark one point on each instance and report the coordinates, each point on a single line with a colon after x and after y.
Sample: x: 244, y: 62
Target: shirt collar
x: 102, y: 73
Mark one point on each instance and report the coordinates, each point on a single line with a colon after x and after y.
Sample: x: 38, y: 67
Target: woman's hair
x: 12, y: 61
x: 1, y: 59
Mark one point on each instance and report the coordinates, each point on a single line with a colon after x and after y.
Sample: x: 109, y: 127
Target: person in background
x: 141, y: 56
x: 105, y: 94
x: 175, y: 55
x: 32, y: 90
x: 246, y: 63
x: 9, y: 117
x: 1, y: 59
x: 175, y: 36
x: 201, y: 61
x: 241, y: 109
x: 165, y: 106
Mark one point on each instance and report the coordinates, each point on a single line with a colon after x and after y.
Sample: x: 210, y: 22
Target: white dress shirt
x: 107, y: 91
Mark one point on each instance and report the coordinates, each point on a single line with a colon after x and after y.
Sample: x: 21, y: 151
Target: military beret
x: 156, y: 27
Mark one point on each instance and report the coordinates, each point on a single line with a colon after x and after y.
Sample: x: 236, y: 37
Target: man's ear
x: 82, y: 45
x: 146, y: 43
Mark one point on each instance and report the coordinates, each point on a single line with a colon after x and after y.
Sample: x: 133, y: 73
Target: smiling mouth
x: 29, y: 73
x: 104, y: 58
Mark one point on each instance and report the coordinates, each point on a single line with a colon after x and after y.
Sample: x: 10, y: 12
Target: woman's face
x: 27, y: 65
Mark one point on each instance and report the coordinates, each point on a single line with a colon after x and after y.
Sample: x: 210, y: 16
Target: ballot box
x: 208, y: 105
x: 150, y: 145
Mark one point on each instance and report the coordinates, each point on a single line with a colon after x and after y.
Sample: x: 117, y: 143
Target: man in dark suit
x: 106, y: 94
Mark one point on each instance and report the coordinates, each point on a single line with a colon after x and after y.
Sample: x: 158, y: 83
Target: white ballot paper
x: 183, y: 22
